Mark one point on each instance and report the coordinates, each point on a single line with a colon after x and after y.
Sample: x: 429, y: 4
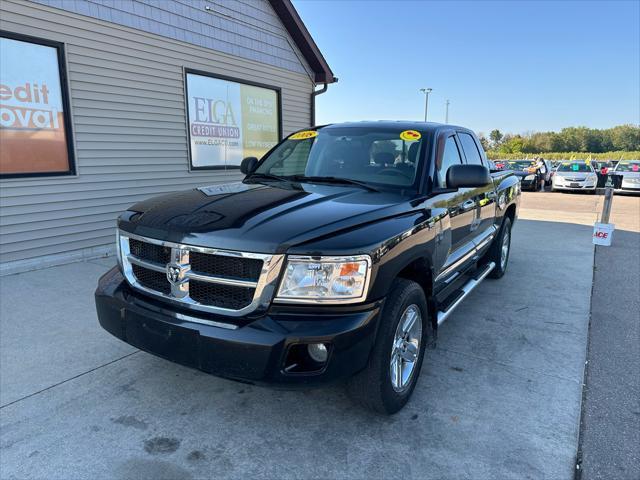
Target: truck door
x: 461, y: 206
x: 484, y: 197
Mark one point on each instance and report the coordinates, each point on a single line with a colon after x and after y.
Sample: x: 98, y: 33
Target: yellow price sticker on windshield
x: 410, y: 135
x: 304, y: 135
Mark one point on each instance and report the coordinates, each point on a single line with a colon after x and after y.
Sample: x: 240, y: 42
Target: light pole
x: 426, y: 91
x: 446, y: 114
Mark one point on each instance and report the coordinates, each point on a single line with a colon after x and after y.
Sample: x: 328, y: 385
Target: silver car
x: 630, y: 171
x: 575, y: 176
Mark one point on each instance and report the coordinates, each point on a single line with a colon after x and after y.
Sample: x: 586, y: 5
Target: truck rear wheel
x: 500, y: 250
x: 387, y: 382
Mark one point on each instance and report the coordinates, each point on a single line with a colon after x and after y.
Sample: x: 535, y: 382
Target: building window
x: 229, y: 120
x: 35, y: 134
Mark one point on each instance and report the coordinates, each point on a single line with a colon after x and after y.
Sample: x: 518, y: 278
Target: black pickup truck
x: 337, y: 257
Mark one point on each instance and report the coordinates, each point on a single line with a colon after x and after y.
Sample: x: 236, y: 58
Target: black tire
x: 372, y: 387
x: 495, y: 252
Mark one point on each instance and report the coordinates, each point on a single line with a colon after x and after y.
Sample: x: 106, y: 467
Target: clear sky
x: 515, y: 65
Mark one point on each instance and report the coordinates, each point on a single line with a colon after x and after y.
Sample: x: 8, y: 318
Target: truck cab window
x: 450, y: 156
x: 470, y: 149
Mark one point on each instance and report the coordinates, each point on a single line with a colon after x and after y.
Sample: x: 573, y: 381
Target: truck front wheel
x: 396, y: 359
x: 500, y: 250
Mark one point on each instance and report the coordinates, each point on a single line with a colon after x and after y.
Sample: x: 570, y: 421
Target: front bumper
x: 582, y: 186
x: 528, y: 184
x: 250, y: 349
x: 628, y: 187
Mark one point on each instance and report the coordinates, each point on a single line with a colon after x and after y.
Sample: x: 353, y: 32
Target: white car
x: 574, y: 176
x: 630, y: 171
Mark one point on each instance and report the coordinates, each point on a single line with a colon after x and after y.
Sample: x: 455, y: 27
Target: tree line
x: 623, y: 138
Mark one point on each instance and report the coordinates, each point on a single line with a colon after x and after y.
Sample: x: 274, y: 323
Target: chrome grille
x: 220, y: 295
x: 206, y: 279
x: 149, y: 251
x: 241, y: 268
x: 152, y: 279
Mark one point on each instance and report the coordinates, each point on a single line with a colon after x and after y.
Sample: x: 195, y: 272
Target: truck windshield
x: 382, y: 156
x: 574, y: 167
x: 520, y: 164
x: 628, y: 167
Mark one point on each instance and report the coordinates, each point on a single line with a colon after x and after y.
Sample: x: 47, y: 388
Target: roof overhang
x: 301, y: 36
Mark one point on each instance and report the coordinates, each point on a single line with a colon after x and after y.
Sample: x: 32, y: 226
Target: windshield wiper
x: 268, y: 176
x: 336, y: 180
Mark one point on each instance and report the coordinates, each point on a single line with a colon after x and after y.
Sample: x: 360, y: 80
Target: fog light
x: 318, y: 352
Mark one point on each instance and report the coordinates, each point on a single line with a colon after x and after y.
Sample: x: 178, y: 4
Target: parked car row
x: 534, y: 175
x: 574, y: 175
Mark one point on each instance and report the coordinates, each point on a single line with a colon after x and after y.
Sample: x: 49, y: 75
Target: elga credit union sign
x: 32, y: 123
x: 229, y: 121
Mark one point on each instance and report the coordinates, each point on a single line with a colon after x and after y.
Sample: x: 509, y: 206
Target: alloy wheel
x: 406, y: 348
x: 504, y: 251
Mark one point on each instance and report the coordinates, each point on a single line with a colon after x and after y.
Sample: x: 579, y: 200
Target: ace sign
x: 603, y: 233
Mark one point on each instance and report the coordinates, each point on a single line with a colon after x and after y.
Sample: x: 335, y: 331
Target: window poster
x: 33, y: 136
x: 229, y: 121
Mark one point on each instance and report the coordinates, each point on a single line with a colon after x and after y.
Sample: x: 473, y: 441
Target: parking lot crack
x: 68, y: 380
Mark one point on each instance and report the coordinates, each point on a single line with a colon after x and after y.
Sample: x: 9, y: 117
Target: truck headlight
x: 530, y: 177
x: 325, y: 279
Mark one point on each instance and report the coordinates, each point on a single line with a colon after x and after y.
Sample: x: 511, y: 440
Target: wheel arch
x: 510, y: 212
x: 420, y: 271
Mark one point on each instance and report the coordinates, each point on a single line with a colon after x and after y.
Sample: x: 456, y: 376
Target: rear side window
x: 450, y: 156
x: 470, y: 149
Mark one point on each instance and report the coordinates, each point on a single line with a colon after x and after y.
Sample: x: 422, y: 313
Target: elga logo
x: 217, y: 112
x: 18, y: 117
x: 214, y: 118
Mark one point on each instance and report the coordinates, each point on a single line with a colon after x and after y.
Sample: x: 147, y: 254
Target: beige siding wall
x: 128, y: 117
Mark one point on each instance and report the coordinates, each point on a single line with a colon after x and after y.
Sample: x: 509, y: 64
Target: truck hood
x: 257, y: 217
x: 522, y: 173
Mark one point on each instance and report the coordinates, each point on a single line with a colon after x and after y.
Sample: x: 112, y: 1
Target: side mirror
x: 469, y: 176
x: 248, y: 165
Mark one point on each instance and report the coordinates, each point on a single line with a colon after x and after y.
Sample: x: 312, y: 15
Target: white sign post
x: 603, y: 230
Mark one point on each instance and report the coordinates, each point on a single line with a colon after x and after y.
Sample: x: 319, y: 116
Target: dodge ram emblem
x: 174, y: 274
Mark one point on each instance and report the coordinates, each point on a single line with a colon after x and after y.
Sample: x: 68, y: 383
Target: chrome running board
x: 466, y: 290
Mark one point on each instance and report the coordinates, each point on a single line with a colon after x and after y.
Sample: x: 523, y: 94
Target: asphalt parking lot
x: 499, y: 398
